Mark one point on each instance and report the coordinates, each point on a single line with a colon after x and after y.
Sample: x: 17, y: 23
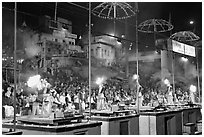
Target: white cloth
x: 76, y: 99
x: 9, y: 111
x: 69, y: 98
x: 92, y: 100
x: 62, y: 99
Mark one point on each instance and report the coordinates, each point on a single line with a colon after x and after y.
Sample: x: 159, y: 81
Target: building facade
x: 59, y: 45
x: 104, y: 49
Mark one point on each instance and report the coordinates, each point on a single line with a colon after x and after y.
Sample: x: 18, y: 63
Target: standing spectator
x: 76, y: 101
x: 101, y: 98
x: 170, y: 96
x: 36, y: 104
x: 62, y: 100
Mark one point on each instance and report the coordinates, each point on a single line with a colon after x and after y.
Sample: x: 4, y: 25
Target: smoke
x: 29, y: 40
x: 26, y: 38
x: 191, y: 71
x: 97, y: 72
x: 7, y: 31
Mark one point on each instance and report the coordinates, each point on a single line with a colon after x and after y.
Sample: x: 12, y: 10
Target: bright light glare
x: 166, y: 82
x: 192, y: 88
x: 99, y: 80
x: 34, y: 81
x: 135, y: 76
x: 112, y: 34
x: 184, y: 59
x: 119, y: 42
x: 191, y: 22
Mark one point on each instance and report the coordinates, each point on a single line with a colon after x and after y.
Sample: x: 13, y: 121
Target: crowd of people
x: 74, y: 95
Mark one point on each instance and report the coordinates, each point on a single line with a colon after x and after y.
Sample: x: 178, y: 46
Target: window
x: 65, y: 26
x: 53, y: 24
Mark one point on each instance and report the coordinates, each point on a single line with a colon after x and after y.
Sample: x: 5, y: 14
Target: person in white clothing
x: 62, y: 100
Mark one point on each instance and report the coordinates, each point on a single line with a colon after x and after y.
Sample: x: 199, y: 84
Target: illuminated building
x: 59, y: 45
x: 104, y: 49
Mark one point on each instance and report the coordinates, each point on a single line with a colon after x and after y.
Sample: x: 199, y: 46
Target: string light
x: 165, y: 25
x: 105, y: 5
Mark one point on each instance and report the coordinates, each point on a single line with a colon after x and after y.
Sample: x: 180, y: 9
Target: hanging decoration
x: 155, y: 25
x: 184, y: 36
x: 113, y: 10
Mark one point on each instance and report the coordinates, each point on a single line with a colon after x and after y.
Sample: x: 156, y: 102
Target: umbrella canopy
x: 113, y: 10
x: 155, y: 25
x: 184, y: 36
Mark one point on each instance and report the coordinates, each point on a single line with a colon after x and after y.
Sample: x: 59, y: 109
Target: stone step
x: 199, y: 125
x: 13, y: 133
x: 198, y: 133
x: 185, y: 133
x: 199, y: 121
x: 189, y: 128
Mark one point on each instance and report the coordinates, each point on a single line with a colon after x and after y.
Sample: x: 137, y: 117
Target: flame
x: 99, y: 80
x: 166, y: 82
x: 192, y: 88
x: 135, y: 76
x: 34, y: 81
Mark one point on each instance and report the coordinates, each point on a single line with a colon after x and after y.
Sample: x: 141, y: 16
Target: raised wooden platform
x: 39, y: 120
x: 84, y: 127
x: 12, y: 133
x: 110, y: 113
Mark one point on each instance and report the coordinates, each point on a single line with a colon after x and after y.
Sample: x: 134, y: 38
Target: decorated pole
x: 136, y: 43
x: 15, y: 65
x: 197, y: 66
x: 90, y: 59
x: 114, y: 16
x: 172, y: 61
x: 56, y: 11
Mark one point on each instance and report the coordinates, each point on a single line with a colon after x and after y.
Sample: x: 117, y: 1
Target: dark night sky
x: 181, y: 14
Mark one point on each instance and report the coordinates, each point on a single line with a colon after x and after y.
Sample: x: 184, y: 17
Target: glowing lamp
x: 192, y: 88
x: 34, y: 81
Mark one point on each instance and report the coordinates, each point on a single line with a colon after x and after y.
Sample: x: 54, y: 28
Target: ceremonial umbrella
x: 113, y: 10
x: 118, y: 10
x: 188, y: 36
x: 184, y: 36
x: 155, y: 26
